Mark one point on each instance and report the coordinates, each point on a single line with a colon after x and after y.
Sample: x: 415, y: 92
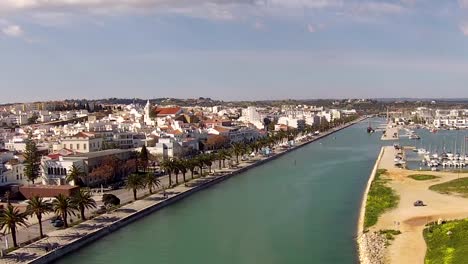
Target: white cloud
x: 463, y: 3
x: 259, y: 25
x: 302, y: 3
x: 311, y: 28
x: 12, y: 31
x: 224, y: 10
x: 464, y: 28
x: 379, y: 8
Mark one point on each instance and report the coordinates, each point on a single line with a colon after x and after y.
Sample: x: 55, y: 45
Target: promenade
x: 67, y: 240
x: 391, y: 133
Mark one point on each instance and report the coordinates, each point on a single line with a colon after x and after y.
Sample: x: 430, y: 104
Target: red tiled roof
x: 167, y: 111
x: 54, y: 156
x: 221, y: 129
x: 177, y: 132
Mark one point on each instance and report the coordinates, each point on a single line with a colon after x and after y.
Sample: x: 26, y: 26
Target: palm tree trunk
x: 82, y: 213
x: 177, y: 179
x: 135, y: 194
x: 65, y: 222
x: 183, y: 175
x: 39, y: 220
x: 219, y: 164
x: 170, y: 180
x: 191, y: 172
x: 150, y: 189
x: 13, y: 236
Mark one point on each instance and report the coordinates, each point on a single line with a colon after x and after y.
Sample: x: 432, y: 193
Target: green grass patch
x: 390, y: 233
x: 447, y: 243
x: 457, y: 186
x: 379, y: 199
x: 422, y: 177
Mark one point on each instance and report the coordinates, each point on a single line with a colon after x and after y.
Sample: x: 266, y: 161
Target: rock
x: 372, y: 248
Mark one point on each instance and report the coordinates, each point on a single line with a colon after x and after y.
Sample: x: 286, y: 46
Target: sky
x: 232, y: 49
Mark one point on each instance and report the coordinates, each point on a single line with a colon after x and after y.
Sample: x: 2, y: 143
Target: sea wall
x: 369, y: 243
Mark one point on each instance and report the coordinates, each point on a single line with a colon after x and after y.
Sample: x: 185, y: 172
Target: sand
x: 410, y: 247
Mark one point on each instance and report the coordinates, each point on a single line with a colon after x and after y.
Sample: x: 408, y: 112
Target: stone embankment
x: 372, y: 248
x: 371, y: 251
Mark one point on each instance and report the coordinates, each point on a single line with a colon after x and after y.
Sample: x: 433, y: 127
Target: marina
x: 445, y: 150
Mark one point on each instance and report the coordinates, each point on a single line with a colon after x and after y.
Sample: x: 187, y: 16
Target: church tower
x: 147, y: 117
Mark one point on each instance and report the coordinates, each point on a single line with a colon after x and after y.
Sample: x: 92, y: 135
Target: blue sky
x: 232, y: 49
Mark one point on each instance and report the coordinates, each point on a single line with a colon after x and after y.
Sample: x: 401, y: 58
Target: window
x: 77, y: 146
x: 84, y: 146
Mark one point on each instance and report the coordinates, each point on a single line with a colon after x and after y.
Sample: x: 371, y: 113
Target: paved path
x: 390, y: 133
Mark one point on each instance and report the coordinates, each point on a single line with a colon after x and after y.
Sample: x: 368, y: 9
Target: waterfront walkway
x: 391, y: 133
x: 60, y: 242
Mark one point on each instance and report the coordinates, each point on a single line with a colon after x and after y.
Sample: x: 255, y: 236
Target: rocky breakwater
x: 372, y: 248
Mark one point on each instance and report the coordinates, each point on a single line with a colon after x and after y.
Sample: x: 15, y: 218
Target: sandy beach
x: 409, y: 246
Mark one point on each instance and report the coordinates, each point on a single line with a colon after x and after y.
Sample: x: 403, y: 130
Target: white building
x: 82, y: 142
x: 147, y: 115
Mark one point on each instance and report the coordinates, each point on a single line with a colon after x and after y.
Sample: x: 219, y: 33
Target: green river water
x: 300, y: 208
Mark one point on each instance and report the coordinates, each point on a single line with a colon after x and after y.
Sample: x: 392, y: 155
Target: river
x: 300, y: 208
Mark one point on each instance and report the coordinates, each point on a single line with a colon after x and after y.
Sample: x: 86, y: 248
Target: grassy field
x: 447, y: 248
x: 422, y: 177
x: 379, y: 199
x: 458, y: 186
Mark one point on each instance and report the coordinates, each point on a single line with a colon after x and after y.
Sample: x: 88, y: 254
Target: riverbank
x: 409, y: 246
x: 69, y: 236
x: 369, y: 244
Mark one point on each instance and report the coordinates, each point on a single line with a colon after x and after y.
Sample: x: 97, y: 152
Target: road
x: 25, y: 234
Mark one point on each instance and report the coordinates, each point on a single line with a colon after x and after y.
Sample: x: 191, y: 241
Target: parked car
x: 55, y: 218
x: 419, y: 203
x: 58, y: 223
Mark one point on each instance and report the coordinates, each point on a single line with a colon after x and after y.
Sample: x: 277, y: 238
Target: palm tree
x: 176, y: 169
x: 191, y: 165
x: 38, y: 207
x: 167, y: 166
x: 238, y: 149
x: 183, y: 166
x: 208, y: 160
x: 83, y: 200
x: 10, y: 219
x: 64, y: 207
x: 223, y: 154
x: 74, y: 175
x: 151, y: 181
x: 200, y: 161
x: 135, y: 182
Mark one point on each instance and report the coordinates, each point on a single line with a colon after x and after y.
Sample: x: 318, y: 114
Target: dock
x: 391, y: 133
